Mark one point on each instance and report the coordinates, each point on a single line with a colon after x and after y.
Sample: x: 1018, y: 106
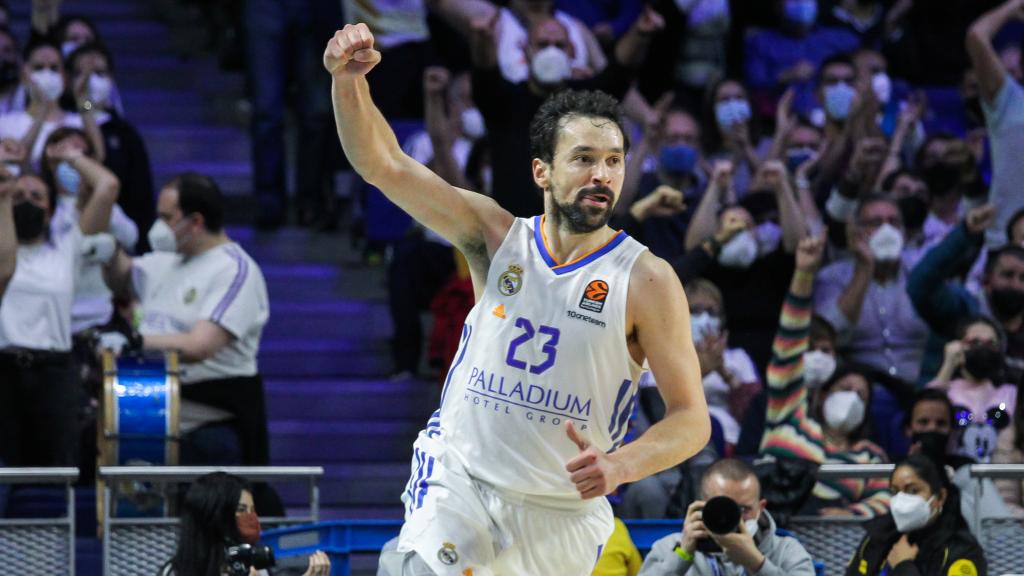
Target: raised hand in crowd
x: 711, y: 353
x: 631, y: 50
x: 809, y: 254
x: 663, y: 202
x: 483, y: 46
x: 720, y: 192
x: 980, y: 218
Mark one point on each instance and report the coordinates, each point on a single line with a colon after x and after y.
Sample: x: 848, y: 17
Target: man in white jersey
x: 510, y: 473
x: 203, y: 296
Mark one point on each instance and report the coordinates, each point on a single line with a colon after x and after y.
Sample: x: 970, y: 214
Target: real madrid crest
x: 447, y: 554
x: 511, y: 280
x: 190, y: 296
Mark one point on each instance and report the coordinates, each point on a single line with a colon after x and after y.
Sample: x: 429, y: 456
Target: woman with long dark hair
x: 923, y: 533
x: 218, y: 512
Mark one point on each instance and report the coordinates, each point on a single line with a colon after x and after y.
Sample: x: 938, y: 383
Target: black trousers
x: 40, y: 400
x: 418, y: 270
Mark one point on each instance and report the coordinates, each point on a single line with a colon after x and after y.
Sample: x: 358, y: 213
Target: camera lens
x: 721, y: 515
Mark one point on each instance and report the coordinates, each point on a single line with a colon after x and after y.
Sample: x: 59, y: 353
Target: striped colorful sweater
x: 791, y: 432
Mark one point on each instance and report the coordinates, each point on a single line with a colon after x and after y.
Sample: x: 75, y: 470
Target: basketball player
x: 509, y: 475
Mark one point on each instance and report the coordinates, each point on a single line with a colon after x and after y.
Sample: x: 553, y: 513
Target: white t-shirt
x: 92, y: 304
x: 513, y: 37
x: 36, y: 309
x: 223, y: 285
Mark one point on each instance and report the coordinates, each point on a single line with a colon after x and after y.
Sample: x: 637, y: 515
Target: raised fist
x: 350, y: 52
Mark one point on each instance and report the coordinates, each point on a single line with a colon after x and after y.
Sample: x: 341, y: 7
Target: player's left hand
x: 594, y: 473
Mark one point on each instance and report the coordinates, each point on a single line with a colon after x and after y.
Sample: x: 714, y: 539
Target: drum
x: 139, y: 426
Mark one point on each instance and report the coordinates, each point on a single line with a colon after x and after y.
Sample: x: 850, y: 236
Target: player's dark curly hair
x: 564, y: 105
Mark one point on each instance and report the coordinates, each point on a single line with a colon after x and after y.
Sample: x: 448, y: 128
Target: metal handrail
x: 64, y: 475
x: 847, y: 471
x: 997, y: 471
x: 38, y: 475
x: 189, y: 473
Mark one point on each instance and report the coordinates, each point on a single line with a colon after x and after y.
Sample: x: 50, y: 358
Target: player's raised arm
x: 466, y: 219
x: 661, y: 316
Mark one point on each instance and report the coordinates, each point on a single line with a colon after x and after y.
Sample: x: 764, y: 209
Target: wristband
x: 683, y: 553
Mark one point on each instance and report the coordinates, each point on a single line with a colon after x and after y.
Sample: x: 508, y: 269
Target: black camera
x: 242, y: 557
x: 721, y: 515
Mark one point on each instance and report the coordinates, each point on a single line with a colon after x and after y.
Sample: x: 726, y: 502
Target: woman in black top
x: 923, y: 533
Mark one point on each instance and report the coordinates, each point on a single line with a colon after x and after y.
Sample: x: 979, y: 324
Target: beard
x: 578, y: 218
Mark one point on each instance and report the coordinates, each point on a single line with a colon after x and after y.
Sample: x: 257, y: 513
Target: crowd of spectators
x: 834, y: 183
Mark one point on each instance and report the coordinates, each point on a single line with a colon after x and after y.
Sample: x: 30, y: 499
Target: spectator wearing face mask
x: 92, y: 305
x: 40, y: 391
x: 754, y: 548
x: 507, y: 107
x: 750, y: 261
x: 826, y: 425
x: 1002, y: 99
x: 731, y: 133
x: 972, y: 375
x: 864, y: 295
x: 202, y: 295
x: 44, y: 74
x: 126, y: 154
x: 930, y: 425
x: 791, y: 54
x: 923, y: 531
x: 922, y: 227
x: 653, y: 205
x: 944, y: 304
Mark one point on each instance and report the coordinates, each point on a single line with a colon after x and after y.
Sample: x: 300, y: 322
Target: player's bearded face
x: 588, y: 211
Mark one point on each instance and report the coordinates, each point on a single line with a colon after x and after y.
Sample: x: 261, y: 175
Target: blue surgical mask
x: 801, y: 12
x: 839, y: 100
x: 69, y: 178
x: 678, y: 159
x: 729, y: 113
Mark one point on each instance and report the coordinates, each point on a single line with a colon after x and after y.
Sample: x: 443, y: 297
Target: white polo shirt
x: 35, y: 312
x: 223, y: 285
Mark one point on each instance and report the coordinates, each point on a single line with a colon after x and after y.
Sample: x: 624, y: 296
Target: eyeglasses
x: 893, y: 221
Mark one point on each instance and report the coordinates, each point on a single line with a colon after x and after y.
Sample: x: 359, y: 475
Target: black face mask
x: 942, y: 179
x: 914, y: 211
x: 984, y: 363
x: 28, y: 221
x: 1006, y: 302
x: 8, y: 74
x: 933, y: 445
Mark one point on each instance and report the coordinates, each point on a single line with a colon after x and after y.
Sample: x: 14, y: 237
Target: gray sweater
x: 784, y: 556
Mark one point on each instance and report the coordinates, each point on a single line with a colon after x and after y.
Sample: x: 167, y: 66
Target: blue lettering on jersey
x: 531, y: 396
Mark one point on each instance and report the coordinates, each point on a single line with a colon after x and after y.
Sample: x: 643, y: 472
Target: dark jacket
x: 945, y: 544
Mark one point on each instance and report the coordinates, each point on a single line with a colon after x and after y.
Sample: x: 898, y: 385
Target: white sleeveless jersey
x: 544, y: 345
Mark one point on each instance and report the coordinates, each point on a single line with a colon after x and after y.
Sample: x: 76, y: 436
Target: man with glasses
x: 864, y: 295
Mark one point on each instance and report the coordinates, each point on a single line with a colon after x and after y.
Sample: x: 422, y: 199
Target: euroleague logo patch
x: 594, y: 296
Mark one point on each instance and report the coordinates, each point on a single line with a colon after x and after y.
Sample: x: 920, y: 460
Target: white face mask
x: 50, y: 84
x: 882, y: 85
x: 740, y: 252
x: 473, y: 124
x: 161, y: 237
x: 703, y: 324
x: 100, y: 88
x: 818, y: 368
x: 910, y: 512
x: 551, y: 66
x: 751, y: 526
x: 844, y: 411
x: 886, y: 243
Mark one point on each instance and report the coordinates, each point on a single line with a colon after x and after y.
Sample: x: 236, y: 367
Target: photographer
x: 749, y: 546
x: 217, y: 520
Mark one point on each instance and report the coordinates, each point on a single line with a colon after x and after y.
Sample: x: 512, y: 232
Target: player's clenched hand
x: 594, y: 473
x: 350, y: 52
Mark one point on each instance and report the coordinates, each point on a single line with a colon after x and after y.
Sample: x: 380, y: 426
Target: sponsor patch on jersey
x: 511, y: 280
x: 963, y: 567
x: 190, y: 296
x: 594, y: 296
x: 447, y: 554
x: 499, y: 311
